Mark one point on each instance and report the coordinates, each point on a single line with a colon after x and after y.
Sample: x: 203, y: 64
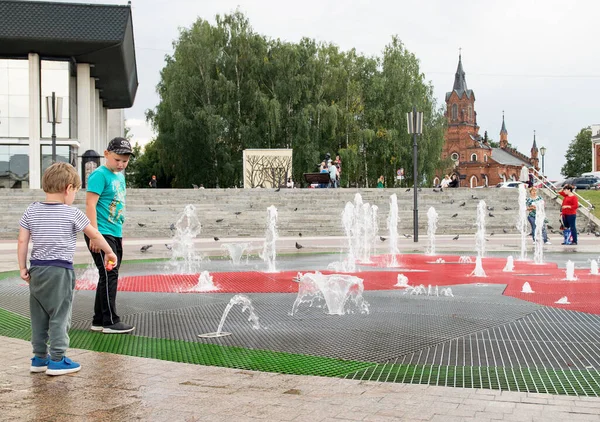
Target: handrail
x: 540, y: 178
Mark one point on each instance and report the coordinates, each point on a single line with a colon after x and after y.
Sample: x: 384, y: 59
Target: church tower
x: 503, y: 134
x: 534, y: 154
x: 461, y: 117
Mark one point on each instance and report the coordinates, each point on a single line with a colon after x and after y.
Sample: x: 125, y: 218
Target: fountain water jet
x: 269, y: 252
x: 392, y: 223
x: 236, y: 251
x: 510, y: 265
x: 360, y: 225
x: 402, y: 281
x: 89, y: 278
x: 335, y: 289
x: 432, y: 221
x: 540, y: 218
x: 526, y: 288
x: 478, y: 271
x: 246, y: 305
x: 522, y: 221
x: 183, y: 255
x: 570, y: 271
x: 594, y: 267
x: 205, y: 283
x: 480, y: 235
x: 563, y: 301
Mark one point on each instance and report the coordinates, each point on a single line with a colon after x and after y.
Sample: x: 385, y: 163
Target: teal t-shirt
x: 110, y: 210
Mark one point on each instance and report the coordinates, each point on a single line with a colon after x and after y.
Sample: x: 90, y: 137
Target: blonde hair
x: 59, y: 176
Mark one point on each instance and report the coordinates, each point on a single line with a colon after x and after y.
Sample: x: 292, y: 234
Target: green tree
x: 579, y: 157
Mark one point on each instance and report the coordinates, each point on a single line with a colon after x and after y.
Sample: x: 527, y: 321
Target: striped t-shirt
x: 53, y: 229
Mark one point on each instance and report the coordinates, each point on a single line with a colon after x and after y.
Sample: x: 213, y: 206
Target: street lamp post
x: 415, y: 127
x: 543, y: 152
x: 54, y: 113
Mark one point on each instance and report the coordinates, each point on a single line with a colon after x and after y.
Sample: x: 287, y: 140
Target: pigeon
x: 295, y: 209
x: 490, y: 208
x: 597, y: 234
x: 407, y: 190
x: 150, y: 208
x: 435, y: 190
x: 507, y: 208
x: 408, y: 236
x: 141, y: 225
x: 237, y: 212
x: 383, y: 239
x: 216, y: 238
x: 194, y: 186
x: 145, y: 248
x: 474, y: 197
x: 454, y: 215
x: 505, y: 231
x: 277, y: 190
x: 420, y: 189
x: 492, y: 233
x: 456, y: 237
x: 169, y: 247
x: 463, y: 204
x: 172, y: 227
x: 219, y: 220
x: 452, y: 201
x: 491, y: 215
x: 300, y: 234
x: 549, y: 227
x: 299, y: 246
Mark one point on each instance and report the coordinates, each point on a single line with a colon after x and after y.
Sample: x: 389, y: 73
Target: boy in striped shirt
x: 52, y: 226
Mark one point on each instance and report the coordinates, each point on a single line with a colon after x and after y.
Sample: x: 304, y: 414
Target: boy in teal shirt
x: 105, y: 207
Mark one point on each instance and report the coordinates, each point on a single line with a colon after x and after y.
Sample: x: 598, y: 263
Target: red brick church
x: 476, y: 162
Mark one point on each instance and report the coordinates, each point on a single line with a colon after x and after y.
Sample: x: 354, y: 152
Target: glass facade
x: 14, y: 166
x: 55, y: 78
x: 14, y: 98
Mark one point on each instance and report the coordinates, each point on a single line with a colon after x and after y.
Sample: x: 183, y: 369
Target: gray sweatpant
x: 50, y: 305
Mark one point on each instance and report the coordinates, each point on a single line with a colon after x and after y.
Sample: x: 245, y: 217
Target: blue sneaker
x: 64, y: 366
x: 39, y: 365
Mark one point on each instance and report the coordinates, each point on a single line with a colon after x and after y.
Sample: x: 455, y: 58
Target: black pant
x: 105, y: 309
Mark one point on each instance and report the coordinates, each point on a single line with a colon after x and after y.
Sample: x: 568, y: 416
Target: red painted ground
x: 546, y: 280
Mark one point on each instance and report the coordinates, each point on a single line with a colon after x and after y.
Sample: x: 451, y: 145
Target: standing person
x: 52, y: 226
x: 338, y: 165
x: 105, y: 207
x: 531, y: 203
x: 333, y: 176
x: 152, y: 182
x: 381, y: 182
x: 569, y: 207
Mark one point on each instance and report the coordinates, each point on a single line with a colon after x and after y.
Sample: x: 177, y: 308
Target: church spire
x: 460, y: 83
x: 503, y: 130
x: 534, y: 147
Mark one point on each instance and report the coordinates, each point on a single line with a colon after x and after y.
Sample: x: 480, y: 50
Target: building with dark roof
x: 475, y: 161
x: 595, y: 148
x: 85, y: 54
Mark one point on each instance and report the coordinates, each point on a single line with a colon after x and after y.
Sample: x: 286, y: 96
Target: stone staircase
x: 312, y: 212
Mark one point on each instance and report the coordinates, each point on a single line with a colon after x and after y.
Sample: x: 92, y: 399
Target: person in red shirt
x: 569, y: 210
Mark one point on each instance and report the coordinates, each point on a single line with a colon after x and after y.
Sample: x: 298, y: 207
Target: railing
x: 540, y: 178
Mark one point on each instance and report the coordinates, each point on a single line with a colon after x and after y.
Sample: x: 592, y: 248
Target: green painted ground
x: 513, y: 379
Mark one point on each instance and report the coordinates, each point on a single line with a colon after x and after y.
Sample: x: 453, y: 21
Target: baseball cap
x: 120, y: 146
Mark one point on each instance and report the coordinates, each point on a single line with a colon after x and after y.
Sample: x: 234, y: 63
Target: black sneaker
x: 118, y: 328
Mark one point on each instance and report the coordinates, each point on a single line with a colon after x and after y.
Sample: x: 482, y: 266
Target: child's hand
x: 110, y: 261
x: 25, y: 274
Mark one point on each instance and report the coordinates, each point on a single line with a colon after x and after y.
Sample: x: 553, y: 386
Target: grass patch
x: 594, y: 197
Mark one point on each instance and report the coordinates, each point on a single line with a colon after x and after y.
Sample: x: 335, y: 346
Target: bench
x: 320, y: 178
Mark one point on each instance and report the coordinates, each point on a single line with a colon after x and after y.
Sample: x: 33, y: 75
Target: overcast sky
x: 536, y: 60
